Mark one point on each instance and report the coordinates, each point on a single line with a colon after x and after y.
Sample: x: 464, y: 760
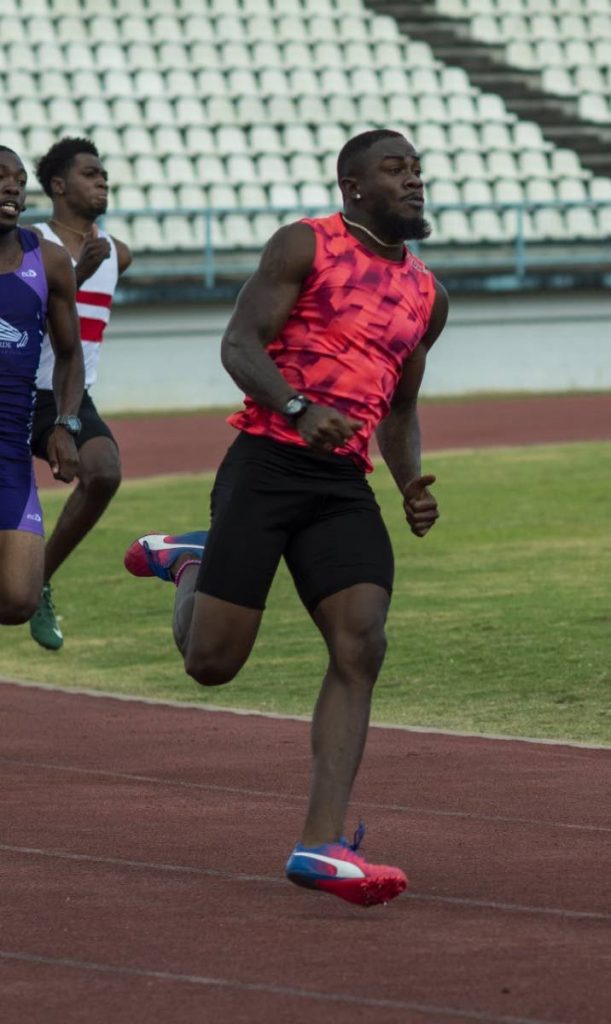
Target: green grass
x: 500, y: 621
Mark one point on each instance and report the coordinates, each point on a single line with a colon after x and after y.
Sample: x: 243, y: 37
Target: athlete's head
x: 72, y: 174
x: 13, y: 181
x: 380, y: 177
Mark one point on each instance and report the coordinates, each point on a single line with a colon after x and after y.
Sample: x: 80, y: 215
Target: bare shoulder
x: 289, y: 253
x: 441, y: 295
x: 124, y: 254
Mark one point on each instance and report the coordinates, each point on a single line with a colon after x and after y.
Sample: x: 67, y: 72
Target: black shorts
x: 271, y: 500
x: 92, y: 424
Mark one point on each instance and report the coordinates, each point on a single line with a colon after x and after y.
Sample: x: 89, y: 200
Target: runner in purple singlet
x: 37, y: 287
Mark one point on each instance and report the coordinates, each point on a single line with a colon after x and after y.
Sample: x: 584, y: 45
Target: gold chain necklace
x: 83, y: 234
x: 353, y: 224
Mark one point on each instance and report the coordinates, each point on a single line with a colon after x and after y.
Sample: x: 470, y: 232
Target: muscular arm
x: 262, y: 309
x: 398, y: 435
x: 68, y: 373
x: 124, y: 255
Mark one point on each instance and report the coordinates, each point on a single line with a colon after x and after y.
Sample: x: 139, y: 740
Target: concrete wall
x: 167, y: 358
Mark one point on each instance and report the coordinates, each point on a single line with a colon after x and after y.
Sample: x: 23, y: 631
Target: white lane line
x: 185, y: 869
x: 253, y: 713
x: 273, y: 795
x: 233, y: 984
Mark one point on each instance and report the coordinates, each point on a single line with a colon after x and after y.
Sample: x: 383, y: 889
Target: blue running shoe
x: 155, y: 554
x: 338, y: 869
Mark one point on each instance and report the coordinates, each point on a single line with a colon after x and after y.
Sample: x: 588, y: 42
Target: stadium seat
x: 136, y: 140
x: 161, y: 197
x: 131, y: 197
x: 539, y: 190
x: 549, y: 225
x: 251, y: 196
x: 167, y: 140
x: 109, y: 142
x: 148, y: 170
x: 486, y: 226
x: 238, y: 231
x: 581, y: 223
x: 191, y: 197
x: 22, y: 84
x: 146, y: 234
x: 222, y: 196
x: 179, y: 232
x: 95, y: 113
x: 102, y: 29
x: 210, y: 170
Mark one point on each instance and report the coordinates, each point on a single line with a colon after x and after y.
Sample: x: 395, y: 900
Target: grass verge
x: 500, y: 620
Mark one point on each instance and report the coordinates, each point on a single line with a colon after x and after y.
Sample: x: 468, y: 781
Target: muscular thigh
x: 19, y: 504
x: 21, y: 566
x: 99, y: 457
x: 257, y: 503
x: 346, y: 545
x: 92, y: 424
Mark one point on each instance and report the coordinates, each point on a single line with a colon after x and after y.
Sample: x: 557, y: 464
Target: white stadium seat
x: 248, y: 102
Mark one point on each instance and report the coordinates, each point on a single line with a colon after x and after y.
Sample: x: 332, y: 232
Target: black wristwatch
x: 295, y: 407
x: 70, y: 423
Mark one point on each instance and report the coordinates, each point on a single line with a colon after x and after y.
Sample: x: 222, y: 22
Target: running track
x: 142, y: 849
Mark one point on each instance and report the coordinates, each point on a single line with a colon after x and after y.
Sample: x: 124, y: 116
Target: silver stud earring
x: 358, y: 195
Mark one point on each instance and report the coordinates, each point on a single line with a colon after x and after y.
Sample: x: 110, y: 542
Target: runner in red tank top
x: 328, y: 341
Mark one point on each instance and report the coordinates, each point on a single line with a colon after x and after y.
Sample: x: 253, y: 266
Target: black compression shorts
x: 92, y: 424
x: 271, y: 500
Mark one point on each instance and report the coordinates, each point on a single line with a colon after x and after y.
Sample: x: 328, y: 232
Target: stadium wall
x: 167, y: 358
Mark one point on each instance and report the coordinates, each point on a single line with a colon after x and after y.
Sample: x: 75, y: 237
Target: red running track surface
x: 195, y: 443
x: 142, y: 853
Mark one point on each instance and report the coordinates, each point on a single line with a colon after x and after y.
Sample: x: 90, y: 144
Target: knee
x: 210, y: 671
x: 17, y: 611
x: 103, y: 483
x: 360, y: 654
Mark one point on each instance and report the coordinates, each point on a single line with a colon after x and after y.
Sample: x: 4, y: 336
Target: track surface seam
x: 187, y: 869
x: 156, y: 780
x: 276, y: 990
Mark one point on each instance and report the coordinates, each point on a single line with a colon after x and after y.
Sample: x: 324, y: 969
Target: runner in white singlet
x: 73, y: 176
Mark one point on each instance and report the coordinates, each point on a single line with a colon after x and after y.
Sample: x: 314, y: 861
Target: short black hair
x: 7, y: 149
x: 57, y: 160
x: 351, y: 155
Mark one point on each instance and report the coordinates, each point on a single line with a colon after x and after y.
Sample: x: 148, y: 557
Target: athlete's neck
x: 56, y: 222
x: 397, y: 246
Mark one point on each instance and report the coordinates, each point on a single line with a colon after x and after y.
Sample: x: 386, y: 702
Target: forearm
x: 398, y: 437
x: 254, y: 372
x: 68, y: 382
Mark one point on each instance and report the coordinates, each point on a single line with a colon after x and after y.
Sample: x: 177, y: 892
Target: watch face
x: 71, y: 423
x: 294, y: 405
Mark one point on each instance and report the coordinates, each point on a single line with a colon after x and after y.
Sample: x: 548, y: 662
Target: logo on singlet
x: 29, y: 273
x: 12, y: 337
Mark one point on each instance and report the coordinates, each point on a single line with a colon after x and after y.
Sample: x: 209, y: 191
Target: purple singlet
x: 23, y: 314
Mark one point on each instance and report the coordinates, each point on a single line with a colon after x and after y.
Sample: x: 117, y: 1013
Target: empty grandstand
x: 221, y: 119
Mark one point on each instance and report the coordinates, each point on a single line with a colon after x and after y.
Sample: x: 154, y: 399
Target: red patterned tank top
x: 358, y: 317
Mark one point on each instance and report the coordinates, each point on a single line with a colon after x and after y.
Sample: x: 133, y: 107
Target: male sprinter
x: 36, y: 287
x: 329, y: 341
x: 74, y: 178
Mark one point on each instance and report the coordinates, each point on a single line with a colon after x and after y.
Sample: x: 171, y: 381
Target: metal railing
x: 515, y: 252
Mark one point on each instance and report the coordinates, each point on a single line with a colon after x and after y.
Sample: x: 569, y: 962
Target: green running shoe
x: 44, y: 626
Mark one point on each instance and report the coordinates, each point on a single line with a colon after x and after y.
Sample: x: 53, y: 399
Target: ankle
x: 182, y: 563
